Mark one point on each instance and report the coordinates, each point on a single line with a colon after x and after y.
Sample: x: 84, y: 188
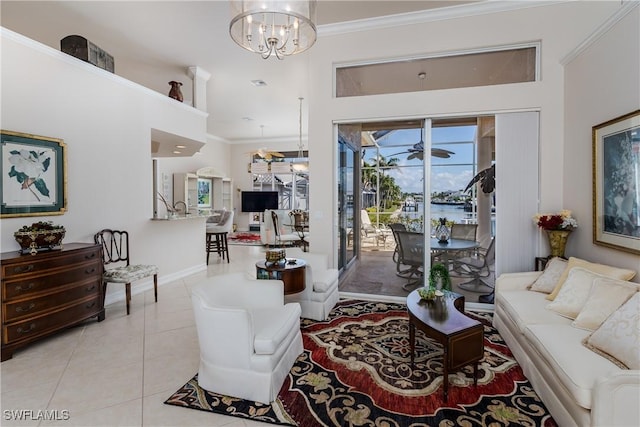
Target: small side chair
x: 115, y: 256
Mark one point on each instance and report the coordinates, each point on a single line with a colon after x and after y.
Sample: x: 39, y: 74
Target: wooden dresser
x: 47, y: 292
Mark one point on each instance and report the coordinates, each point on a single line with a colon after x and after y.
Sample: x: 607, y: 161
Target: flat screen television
x: 258, y: 201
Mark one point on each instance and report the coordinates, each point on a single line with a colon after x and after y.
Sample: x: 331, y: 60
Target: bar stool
x: 217, y: 229
x: 217, y: 242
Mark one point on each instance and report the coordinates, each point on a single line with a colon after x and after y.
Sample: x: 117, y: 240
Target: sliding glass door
x: 348, y: 193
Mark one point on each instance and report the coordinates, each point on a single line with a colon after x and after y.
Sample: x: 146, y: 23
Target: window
x: 454, y: 70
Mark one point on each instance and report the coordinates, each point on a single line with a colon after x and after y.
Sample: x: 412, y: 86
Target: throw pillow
x: 607, y: 295
x: 574, y: 294
x: 618, y: 339
x: 548, y: 280
x: 605, y: 270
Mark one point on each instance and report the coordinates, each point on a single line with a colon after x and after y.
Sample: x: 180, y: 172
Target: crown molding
x: 624, y: 10
x: 431, y: 15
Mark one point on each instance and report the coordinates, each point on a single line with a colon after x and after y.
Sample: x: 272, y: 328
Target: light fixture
x: 274, y: 28
x: 300, y: 166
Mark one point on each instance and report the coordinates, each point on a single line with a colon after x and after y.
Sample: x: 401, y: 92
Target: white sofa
x: 578, y: 386
x: 249, y: 337
x: 321, y: 292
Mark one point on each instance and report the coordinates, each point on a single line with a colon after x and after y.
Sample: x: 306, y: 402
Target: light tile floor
x: 120, y: 371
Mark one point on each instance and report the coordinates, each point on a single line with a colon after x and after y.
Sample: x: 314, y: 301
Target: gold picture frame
x: 33, y: 175
x: 616, y: 183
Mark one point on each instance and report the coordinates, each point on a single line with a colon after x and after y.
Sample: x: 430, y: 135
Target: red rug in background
x: 245, y: 238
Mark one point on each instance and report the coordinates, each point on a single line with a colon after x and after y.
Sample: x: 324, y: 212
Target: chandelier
x: 273, y: 28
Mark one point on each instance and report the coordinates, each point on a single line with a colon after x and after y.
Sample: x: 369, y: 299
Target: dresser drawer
x: 45, y: 324
x: 66, y: 295
x: 45, y: 264
x: 46, y: 281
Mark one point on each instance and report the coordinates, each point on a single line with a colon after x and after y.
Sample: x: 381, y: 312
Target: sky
x: 445, y: 175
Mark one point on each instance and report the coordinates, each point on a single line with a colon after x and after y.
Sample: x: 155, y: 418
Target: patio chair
x: 477, y: 267
x: 400, y: 270
x: 411, y: 254
x: 368, y: 230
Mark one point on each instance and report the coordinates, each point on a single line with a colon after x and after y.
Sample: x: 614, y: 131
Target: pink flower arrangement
x: 558, y: 221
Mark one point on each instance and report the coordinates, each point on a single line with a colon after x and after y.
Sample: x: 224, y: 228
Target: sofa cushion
x: 271, y: 326
x: 574, y: 293
x: 605, y: 270
x: 548, y: 280
x: 559, y: 348
x: 619, y: 335
x: 527, y: 308
x: 606, y: 296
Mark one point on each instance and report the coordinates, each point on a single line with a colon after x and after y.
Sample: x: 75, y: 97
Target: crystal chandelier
x: 273, y: 28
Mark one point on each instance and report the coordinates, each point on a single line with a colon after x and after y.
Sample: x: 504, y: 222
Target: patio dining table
x: 445, y: 249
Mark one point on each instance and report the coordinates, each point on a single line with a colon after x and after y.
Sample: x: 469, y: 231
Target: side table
x: 292, y: 273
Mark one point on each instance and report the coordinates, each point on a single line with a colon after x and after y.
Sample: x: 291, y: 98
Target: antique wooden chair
x: 115, y: 256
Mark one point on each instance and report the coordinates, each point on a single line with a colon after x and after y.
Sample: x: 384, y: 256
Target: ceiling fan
x: 268, y: 155
x: 417, y: 151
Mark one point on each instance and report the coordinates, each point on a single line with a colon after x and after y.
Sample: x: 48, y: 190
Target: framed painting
x: 616, y: 183
x: 204, y: 193
x: 33, y: 175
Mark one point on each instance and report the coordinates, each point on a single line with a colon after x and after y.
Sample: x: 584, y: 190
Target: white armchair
x: 321, y: 291
x: 249, y: 338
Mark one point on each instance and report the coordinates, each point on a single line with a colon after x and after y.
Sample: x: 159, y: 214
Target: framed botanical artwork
x: 616, y: 183
x: 33, y: 175
x: 204, y: 193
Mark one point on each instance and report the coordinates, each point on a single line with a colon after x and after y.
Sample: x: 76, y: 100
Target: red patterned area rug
x: 244, y: 238
x: 356, y: 371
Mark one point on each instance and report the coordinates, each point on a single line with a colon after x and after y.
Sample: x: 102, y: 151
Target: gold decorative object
x: 558, y: 241
x: 276, y: 255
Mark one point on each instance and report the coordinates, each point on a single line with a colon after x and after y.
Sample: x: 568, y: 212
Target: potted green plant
x: 439, y: 273
x: 39, y: 235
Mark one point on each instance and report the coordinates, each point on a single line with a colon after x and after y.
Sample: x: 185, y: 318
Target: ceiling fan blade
x: 441, y: 153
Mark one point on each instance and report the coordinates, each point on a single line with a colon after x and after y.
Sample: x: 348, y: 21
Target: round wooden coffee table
x: 443, y: 319
x: 292, y: 273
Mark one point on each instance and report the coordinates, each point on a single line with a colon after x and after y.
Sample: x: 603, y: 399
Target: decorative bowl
x: 39, y: 240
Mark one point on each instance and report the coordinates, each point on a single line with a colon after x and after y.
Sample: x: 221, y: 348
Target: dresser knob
x: 93, y: 304
x: 90, y: 256
x: 21, y: 288
x: 27, y: 330
x: 90, y: 271
x: 20, y: 309
x: 90, y: 288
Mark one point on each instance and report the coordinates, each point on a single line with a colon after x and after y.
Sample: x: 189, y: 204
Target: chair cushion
x: 272, y: 325
x: 128, y: 274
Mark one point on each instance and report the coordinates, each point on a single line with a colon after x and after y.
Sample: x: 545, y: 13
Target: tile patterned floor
x: 120, y: 371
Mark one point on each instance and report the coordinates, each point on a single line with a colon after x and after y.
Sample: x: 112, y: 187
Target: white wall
x: 559, y: 28
x: 602, y: 82
x: 106, y: 124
